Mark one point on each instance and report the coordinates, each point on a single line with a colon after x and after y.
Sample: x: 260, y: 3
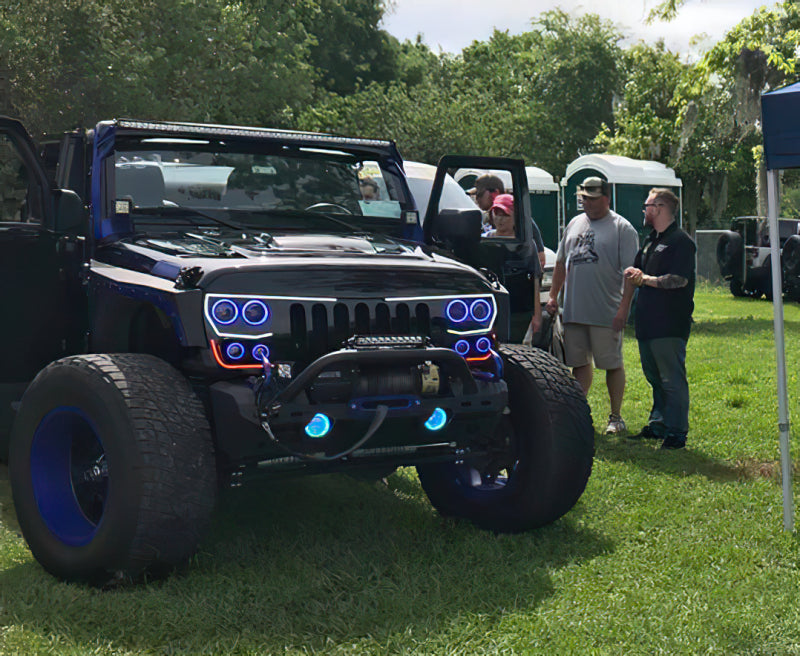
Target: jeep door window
x: 15, y: 206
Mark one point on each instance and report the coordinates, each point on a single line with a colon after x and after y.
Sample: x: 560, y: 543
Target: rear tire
x: 552, y: 439
x: 790, y: 264
x: 730, y: 255
x: 111, y: 468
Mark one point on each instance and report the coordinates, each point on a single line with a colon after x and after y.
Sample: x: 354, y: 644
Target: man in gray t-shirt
x: 596, y: 248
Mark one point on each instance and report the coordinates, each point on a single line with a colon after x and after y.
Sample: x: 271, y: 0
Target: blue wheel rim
x: 69, y: 475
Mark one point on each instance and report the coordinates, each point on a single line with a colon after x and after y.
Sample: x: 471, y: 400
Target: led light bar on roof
x: 258, y: 133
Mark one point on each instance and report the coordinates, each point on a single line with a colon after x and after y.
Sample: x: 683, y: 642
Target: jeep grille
x: 315, y: 327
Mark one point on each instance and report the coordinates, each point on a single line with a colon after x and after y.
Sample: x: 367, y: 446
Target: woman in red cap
x: 502, y: 216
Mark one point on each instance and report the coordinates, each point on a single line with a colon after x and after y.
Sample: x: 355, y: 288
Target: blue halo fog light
x: 437, y: 420
x: 483, y: 345
x: 457, y: 311
x: 224, y: 311
x: 480, y: 310
x: 260, y: 352
x: 462, y: 347
x: 255, y: 312
x: 234, y: 351
x: 319, y: 426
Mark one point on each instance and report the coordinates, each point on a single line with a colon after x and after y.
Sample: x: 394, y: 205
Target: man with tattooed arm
x: 664, y: 272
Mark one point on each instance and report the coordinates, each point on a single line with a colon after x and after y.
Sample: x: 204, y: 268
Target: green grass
x: 666, y: 552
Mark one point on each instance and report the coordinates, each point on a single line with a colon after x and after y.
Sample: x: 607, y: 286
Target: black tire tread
x: 173, y: 438
x: 556, y: 451
x: 569, y: 412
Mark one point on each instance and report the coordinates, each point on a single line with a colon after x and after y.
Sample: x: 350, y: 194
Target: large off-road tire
x: 790, y: 265
x: 790, y: 257
x: 550, y: 430
x: 730, y: 255
x: 112, y: 468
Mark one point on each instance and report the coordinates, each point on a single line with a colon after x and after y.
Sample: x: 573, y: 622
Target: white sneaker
x: 616, y: 425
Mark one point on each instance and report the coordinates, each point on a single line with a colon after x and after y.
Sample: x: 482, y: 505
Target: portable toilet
x: 630, y: 180
x: 543, y: 192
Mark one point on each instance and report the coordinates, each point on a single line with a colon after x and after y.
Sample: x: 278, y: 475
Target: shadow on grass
x: 648, y: 455
x: 733, y: 327
x: 313, y: 563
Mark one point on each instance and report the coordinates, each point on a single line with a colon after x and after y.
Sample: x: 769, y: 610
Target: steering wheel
x: 325, y: 206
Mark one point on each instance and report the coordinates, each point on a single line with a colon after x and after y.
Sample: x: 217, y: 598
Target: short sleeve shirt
x: 666, y: 312
x: 595, y: 254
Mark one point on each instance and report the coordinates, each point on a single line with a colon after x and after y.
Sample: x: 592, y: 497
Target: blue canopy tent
x: 780, y: 122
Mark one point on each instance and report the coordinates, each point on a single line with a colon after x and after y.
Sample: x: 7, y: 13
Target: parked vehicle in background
x: 745, y: 259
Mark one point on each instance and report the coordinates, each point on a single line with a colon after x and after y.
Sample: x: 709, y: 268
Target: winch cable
x: 381, y: 412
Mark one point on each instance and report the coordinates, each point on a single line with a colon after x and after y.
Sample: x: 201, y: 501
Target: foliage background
x: 558, y: 89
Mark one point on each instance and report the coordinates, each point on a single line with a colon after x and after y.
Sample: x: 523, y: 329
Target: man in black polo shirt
x: 664, y: 272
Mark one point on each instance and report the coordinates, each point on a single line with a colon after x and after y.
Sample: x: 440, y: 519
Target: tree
x: 541, y: 95
x: 253, y: 61
x: 710, y: 129
x: 346, y: 44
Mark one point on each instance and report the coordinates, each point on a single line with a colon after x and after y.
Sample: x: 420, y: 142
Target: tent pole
x: 780, y: 349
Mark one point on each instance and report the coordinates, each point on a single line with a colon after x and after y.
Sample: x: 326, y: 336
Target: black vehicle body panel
x: 104, y: 286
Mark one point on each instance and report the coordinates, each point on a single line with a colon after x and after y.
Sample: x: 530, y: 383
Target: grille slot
x: 319, y: 329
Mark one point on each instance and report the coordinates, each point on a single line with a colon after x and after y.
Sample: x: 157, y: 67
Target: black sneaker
x: 646, y: 433
x: 674, y: 442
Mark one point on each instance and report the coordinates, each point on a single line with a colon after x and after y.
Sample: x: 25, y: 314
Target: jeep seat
x: 246, y: 189
x: 144, y: 184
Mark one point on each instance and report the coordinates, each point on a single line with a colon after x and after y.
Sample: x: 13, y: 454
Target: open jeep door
x: 514, y: 260
x: 38, y: 319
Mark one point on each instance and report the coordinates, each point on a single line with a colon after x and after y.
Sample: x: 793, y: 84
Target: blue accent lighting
x: 260, y: 352
x: 255, y: 312
x: 225, y: 312
x: 483, y: 345
x: 480, y: 310
x: 457, y: 311
x: 319, y: 426
x: 462, y: 347
x: 234, y: 351
x: 437, y: 420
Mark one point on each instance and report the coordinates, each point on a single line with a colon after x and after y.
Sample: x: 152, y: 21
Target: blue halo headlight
x: 437, y: 420
x: 462, y: 347
x: 457, y: 311
x: 480, y: 310
x: 224, y: 311
x: 234, y: 351
x: 319, y: 426
x: 260, y: 352
x: 483, y: 345
x: 255, y: 312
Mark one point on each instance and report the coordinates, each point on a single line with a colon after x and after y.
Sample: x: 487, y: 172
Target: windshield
x: 248, y: 185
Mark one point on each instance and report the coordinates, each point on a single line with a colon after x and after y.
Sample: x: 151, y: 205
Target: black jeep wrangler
x: 189, y: 306
x: 743, y: 256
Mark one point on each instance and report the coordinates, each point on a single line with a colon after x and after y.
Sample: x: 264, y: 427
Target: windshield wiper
x: 305, y: 214
x: 184, y: 212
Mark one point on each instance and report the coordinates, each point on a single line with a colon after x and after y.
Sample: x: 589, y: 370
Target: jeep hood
x: 315, y: 263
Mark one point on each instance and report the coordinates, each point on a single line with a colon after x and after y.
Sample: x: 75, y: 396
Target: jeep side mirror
x: 458, y: 226
x: 71, y: 215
